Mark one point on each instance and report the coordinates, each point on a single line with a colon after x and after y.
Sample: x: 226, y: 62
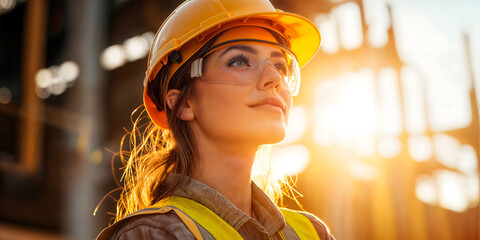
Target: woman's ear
x: 185, y: 112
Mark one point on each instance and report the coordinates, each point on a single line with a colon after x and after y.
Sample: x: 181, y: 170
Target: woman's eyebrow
x: 245, y: 48
x: 277, y: 54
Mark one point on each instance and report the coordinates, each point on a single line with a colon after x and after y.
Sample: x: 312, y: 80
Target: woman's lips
x: 271, y: 101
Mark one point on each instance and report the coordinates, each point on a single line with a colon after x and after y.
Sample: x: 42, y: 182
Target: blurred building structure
x: 384, y: 134
x: 393, y: 114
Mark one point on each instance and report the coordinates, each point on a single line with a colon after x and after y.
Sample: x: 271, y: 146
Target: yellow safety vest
x: 190, y: 212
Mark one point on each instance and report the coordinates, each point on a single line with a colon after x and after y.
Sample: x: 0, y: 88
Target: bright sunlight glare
x: 350, y: 25
x: 290, y: 160
x: 452, y: 189
x: 420, y: 148
x: 345, y: 112
x: 296, y: 125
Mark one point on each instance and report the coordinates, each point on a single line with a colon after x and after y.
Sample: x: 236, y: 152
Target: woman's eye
x: 282, y: 68
x: 238, y: 61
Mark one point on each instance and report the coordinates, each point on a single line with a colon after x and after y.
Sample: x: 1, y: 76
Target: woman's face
x: 253, y: 111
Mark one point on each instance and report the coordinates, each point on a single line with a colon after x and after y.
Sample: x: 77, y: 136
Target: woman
x: 218, y: 87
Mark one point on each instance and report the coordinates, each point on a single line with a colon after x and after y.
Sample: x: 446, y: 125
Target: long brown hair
x: 156, y: 152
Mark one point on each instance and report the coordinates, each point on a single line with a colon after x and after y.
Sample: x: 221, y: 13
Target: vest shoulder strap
x: 203, y: 216
x: 302, y: 226
x: 152, y: 210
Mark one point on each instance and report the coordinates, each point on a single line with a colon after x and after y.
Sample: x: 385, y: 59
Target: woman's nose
x: 268, y: 76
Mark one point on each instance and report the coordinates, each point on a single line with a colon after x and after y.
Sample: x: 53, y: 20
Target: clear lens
x: 245, y: 63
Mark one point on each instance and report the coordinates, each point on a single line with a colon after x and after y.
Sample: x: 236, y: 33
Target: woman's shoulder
x: 148, y: 226
x: 322, y: 228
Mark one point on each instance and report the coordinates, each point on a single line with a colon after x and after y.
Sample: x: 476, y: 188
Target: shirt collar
x: 267, y: 214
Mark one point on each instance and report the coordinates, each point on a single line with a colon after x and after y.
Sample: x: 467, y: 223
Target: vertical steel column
x: 32, y: 60
x: 87, y: 98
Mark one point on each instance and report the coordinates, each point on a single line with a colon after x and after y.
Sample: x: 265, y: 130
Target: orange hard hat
x: 195, y: 22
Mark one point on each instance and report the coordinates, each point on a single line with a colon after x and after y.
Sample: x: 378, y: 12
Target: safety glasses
x: 245, y: 61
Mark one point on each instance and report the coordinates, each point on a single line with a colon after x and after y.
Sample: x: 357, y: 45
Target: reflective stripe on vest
x: 220, y: 229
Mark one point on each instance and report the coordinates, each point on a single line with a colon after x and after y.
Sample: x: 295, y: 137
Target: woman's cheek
x: 220, y: 108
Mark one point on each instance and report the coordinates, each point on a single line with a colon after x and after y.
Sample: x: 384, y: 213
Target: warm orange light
x: 345, y: 112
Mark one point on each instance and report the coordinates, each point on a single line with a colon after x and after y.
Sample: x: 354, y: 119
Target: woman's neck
x: 227, y: 170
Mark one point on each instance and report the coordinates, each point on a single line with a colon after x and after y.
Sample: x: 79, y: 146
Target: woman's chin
x: 271, y: 134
